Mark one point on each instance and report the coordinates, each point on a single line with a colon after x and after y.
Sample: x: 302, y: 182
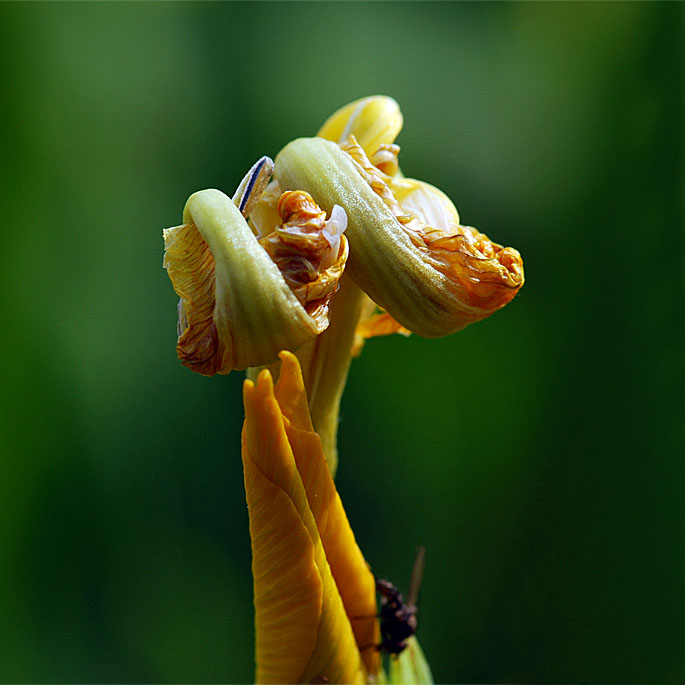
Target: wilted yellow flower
x: 313, y: 591
x: 433, y: 280
x: 263, y: 272
x: 243, y: 300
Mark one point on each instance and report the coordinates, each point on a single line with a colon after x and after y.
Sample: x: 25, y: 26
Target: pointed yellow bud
x: 433, y: 280
x: 373, y: 121
x: 237, y: 309
x: 315, y: 599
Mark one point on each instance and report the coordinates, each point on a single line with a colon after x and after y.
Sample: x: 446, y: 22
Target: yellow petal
x: 425, y: 202
x: 302, y: 630
x: 379, y: 323
x: 190, y: 265
x: 431, y: 281
x: 373, y: 121
x: 355, y: 582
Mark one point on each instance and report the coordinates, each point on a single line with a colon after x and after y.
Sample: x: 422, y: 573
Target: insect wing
x: 416, y: 576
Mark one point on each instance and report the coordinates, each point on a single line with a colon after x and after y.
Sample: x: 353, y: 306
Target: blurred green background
x: 538, y: 455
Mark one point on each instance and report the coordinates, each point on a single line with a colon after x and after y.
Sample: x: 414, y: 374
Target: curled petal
x: 253, y: 185
x: 309, y: 251
x: 237, y: 310
x: 385, y: 159
x: 374, y: 121
x: 302, y: 630
x: 190, y: 265
x: 264, y: 216
x: 433, y: 281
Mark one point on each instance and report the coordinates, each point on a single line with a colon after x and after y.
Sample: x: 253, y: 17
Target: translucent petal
x: 253, y: 185
x: 373, y: 121
x: 426, y: 203
x: 430, y: 280
x: 191, y: 268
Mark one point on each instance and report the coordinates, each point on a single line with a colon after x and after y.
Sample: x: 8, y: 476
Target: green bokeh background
x: 538, y: 455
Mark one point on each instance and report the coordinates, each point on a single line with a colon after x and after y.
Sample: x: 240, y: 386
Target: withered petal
x: 191, y: 268
x: 429, y: 280
x: 237, y: 309
x: 309, y: 258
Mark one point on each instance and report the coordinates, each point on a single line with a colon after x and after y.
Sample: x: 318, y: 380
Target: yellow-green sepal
x: 410, y: 666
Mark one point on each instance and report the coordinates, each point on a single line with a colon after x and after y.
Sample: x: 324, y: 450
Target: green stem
x: 326, y: 361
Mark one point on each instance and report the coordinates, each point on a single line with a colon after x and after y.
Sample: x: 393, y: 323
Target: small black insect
x: 398, y: 618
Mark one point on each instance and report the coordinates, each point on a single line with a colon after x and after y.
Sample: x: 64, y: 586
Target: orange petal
x: 380, y: 323
x: 302, y: 630
x: 355, y: 582
x: 309, y: 251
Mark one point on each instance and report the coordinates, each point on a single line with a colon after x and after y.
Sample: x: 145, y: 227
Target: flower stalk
x: 287, y: 279
x: 326, y: 362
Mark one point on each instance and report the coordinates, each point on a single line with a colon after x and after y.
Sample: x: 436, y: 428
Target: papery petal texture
x: 309, y: 251
x: 237, y: 308
x: 431, y: 280
x: 302, y: 629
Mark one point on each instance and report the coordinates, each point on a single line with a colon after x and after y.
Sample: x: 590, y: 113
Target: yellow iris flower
x: 267, y: 271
